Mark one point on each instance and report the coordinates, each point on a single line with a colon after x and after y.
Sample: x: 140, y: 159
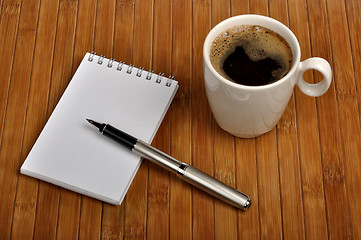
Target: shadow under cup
x: 249, y: 111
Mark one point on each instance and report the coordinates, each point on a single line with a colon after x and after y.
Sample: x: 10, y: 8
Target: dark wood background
x: 304, y: 177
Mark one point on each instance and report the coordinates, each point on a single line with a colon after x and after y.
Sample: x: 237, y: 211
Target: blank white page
x: 73, y: 154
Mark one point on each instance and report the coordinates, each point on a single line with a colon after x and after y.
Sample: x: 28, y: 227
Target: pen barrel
x: 156, y: 156
x: 216, y: 188
x: 193, y: 176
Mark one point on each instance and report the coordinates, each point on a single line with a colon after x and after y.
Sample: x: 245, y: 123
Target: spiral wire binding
x: 159, y: 78
x: 139, y: 73
x: 110, y: 63
x: 169, y: 80
x: 130, y: 68
x: 149, y: 74
x: 120, y: 66
x: 91, y: 56
x: 101, y: 59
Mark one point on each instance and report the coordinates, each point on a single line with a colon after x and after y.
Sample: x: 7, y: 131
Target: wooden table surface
x: 304, y: 177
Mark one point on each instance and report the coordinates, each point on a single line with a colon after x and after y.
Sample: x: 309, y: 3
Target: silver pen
x: 183, y: 170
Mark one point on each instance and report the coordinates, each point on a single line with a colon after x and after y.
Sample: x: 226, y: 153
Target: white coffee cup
x: 249, y: 111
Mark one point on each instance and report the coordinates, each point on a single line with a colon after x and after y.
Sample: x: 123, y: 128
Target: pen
x: 183, y: 170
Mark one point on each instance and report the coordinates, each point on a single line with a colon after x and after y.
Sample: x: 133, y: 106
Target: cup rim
x: 209, y: 39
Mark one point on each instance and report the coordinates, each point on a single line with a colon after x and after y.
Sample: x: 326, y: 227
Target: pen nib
x: 96, y: 124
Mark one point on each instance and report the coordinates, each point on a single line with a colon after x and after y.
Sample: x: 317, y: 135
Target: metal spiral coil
x: 110, y: 63
x: 129, y: 69
x: 140, y: 71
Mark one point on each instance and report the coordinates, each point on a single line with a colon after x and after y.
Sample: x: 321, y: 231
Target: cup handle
x: 317, y: 89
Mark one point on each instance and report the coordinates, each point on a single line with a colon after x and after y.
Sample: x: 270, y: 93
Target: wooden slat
x: 9, y: 19
x: 112, y: 222
x: 202, y: 124
x: 143, y: 33
x: 85, y: 28
x: 224, y: 170
x: 331, y: 153
x: 239, y: 7
x: 8, y: 28
x: 69, y: 215
x: 46, y: 211
x: 1, y: 5
x: 180, y: 192
x: 25, y: 202
x: 24, y: 211
x: 124, y: 30
x: 113, y: 216
x: 287, y: 148
x: 268, y: 186
x: 289, y: 170
x: 258, y: 7
x: 247, y: 182
x: 220, y: 11
x: 16, y: 111
x: 104, y: 28
x: 136, y: 199
x: 90, y: 219
x: 27, y: 189
x: 354, y: 24
x: 347, y: 103
x: 307, y: 131
x: 158, y: 179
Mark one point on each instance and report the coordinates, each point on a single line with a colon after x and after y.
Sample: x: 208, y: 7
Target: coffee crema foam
x: 257, y: 42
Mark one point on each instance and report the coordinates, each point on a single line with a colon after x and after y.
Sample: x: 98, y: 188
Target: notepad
x: 70, y: 154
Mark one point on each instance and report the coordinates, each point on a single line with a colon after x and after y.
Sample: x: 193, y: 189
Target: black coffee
x: 251, y: 55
